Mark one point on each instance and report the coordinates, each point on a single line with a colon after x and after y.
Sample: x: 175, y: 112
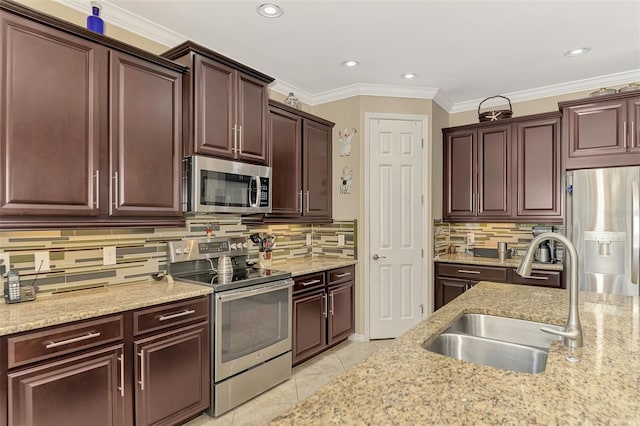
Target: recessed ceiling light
x: 409, y: 75
x: 577, y: 52
x: 270, y: 10
x: 350, y: 64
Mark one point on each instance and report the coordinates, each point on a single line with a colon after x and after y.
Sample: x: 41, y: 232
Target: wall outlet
x: 308, y: 240
x: 41, y: 261
x: 470, y: 238
x: 109, y: 255
x: 340, y: 240
x: 4, y: 260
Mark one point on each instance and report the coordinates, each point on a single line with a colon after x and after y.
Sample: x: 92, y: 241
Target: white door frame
x: 427, y: 212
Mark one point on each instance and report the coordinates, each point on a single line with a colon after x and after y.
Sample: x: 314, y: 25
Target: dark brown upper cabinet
x: 91, y: 128
x: 145, y: 160
x: 477, y: 172
x: 225, y: 106
x: 301, y: 158
x: 504, y: 171
x: 538, y: 192
x: 601, y: 131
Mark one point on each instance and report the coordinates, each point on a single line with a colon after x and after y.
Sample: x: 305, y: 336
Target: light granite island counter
x: 405, y: 384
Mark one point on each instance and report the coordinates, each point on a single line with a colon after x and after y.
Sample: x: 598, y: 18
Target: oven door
x: 252, y: 325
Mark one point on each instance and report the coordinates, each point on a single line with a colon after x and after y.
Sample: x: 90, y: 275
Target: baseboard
x: 358, y: 338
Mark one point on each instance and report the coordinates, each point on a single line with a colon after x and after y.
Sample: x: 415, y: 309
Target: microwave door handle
x: 254, y: 195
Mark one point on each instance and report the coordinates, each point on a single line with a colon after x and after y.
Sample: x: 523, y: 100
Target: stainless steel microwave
x: 212, y: 185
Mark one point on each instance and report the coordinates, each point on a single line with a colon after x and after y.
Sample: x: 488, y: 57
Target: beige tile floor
x: 307, y: 378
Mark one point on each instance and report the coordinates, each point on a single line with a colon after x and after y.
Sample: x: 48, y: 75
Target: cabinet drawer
x: 541, y: 278
x: 308, y: 282
x: 165, y: 316
x: 476, y: 273
x: 341, y: 275
x: 40, y: 345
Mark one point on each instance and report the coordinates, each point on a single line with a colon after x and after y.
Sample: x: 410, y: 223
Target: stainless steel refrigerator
x: 603, y: 221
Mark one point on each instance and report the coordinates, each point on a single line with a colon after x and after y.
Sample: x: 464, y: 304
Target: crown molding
x: 554, y: 90
x: 360, y: 90
x: 113, y: 14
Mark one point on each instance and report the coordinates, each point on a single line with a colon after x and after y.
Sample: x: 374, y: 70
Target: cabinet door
x: 286, y: 162
x: 316, y: 184
x: 459, y: 174
x: 145, y: 138
x: 538, y: 188
x: 251, y: 119
x: 309, y: 325
x: 633, y: 105
x: 214, y: 109
x: 341, y: 312
x: 594, y: 134
x: 494, y: 171
x: 172, y: 375
x: 50, y: 120
x: 75, y: 391
x: 447, y: 289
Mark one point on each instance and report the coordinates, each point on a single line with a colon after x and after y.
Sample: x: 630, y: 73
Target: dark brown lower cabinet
x: 453, y: 279
x: 145, y: 367
x: 341, y: 313
x: 76, y: 390
x: 309, y: 325
x: 323, y: 314
x: 448, y: 289
x: 171, y: 371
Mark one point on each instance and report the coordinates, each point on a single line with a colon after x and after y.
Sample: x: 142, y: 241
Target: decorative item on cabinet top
x: 293, y: 101
x: 603, y: 91
x: 629, y: 87
x: 94, y: 21
x: 495, y: 114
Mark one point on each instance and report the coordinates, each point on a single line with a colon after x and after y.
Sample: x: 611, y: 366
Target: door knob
x: 376, y: 257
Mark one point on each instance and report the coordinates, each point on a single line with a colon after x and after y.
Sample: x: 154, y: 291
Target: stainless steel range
x: 251, y: 317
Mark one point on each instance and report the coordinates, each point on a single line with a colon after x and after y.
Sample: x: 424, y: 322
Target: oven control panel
x: 203, y: 248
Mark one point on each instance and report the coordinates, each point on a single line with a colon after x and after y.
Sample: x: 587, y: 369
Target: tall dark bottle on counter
x: 94, y: 21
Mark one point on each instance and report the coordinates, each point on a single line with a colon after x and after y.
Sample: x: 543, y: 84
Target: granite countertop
x: 309, y: 265
x: 48, y: 310
x: 405, y: 384
x: 469, y: 259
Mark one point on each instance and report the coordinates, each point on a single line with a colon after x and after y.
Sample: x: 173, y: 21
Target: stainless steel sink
x: 500, y: 342
x: 494, y: 353
x: 505, y: 329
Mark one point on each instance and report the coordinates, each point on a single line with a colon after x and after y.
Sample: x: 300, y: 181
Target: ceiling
x: 463, y: 51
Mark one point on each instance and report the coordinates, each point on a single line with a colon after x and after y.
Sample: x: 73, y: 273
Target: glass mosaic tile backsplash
x: 516, y: 235
x: 76, y: 255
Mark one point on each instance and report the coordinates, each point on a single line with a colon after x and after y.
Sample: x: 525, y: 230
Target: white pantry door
x: 396, y: 226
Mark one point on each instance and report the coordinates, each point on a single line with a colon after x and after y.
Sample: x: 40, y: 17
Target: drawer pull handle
x: 141, y: 381
x: 74, y: 340
x: 466, y: 271
x: 536, y: 278
x: 121, y: 387
x: 306, y: 283
x: 344, y: 274
x: 177, y: 315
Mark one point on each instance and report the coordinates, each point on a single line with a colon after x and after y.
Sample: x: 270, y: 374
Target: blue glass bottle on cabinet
x: 94, y: 21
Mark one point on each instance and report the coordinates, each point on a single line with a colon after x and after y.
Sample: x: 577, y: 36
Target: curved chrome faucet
x: 573, y: 331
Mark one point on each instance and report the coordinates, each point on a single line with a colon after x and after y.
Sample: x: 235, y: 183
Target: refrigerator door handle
x: 635, y: 230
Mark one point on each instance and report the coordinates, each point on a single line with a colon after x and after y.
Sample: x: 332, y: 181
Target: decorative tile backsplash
x: 76, y: 255
x: 516, y: 235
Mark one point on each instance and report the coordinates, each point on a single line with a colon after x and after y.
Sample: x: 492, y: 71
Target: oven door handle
x: 228, y: 296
